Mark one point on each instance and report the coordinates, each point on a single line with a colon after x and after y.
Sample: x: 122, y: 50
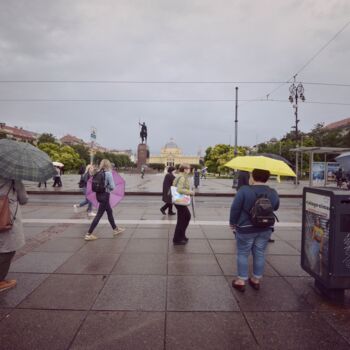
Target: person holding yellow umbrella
x: 252, y: 216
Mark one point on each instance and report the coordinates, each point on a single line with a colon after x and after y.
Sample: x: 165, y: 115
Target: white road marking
x: 146, y: 222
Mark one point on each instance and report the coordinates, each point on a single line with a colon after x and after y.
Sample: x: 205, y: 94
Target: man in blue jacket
x: 250, y: 238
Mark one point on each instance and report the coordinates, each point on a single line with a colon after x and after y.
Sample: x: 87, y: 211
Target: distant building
x: 171, y: 155
x: 70, y: 140
x: 19, y: 134
x: 340, y: 124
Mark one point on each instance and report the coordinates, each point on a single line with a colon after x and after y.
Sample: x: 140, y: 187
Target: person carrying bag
x: 182, y: 184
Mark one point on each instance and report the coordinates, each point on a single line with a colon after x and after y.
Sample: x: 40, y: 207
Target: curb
x: 155, y: 194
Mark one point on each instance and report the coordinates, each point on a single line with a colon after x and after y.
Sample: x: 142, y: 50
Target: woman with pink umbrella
x: 104, y: 192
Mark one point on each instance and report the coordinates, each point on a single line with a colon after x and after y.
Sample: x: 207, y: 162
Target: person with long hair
x: 103, y: 198
x: 182, y: 182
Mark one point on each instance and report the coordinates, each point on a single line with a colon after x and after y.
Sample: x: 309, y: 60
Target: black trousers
x: 104, y: 206
x: 166, y: 206
x: 183, y: 219
x: 5, y: 262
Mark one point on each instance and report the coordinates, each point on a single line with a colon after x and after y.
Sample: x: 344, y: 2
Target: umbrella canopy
x: 22, y: 161
x: 116, y: 195
x: 344, y: 161
x: 59, y: 164
x: 249, y: 163
x: 276, y: 156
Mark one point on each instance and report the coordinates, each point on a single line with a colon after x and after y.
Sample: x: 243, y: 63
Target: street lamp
x: 296, y: 92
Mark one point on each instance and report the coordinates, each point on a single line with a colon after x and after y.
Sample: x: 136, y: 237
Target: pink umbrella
x: 116, y: 195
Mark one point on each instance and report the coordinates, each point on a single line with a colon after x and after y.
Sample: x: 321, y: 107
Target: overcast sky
x: 177, y: 41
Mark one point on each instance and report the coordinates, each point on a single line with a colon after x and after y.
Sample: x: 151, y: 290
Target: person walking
x: 105, y: 172
x: 83, y: 185
x: 196, y: 180
x: 44, y: 182
x: 182, y: 183
x: 167, y: 183
x: 57, y: 178
x: 242, y: 179
x: 249, y: 237
x: 13, y: 239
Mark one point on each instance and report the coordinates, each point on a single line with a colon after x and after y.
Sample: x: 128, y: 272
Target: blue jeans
x: 255, y: 243
x: 86, y: 201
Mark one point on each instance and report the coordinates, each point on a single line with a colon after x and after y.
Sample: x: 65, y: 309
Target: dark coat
x: 196, y: 178
x: 243, y: 179
x: 167, y: 183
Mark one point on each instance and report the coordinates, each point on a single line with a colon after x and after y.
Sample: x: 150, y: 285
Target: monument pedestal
x: 142, y: 155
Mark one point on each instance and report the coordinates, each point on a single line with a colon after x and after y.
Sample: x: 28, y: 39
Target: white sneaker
x: 75, y: 207
x: 118, y: 230
x: 91, y: 214
x: 90, y: 237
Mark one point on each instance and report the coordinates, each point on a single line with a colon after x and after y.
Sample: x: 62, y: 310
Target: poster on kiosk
x: 316, y: 234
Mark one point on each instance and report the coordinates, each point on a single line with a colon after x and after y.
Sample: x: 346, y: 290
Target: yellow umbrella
x: 249, y: 163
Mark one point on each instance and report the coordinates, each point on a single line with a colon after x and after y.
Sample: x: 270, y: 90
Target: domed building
x: 171, y: 155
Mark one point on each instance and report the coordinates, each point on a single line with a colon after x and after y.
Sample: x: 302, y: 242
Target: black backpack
x: 98, y: 182
x: 261, y: 213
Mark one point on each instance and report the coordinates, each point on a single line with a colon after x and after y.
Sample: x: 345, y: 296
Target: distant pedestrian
x: 105, y: 184
x: 142, y: 172
x: 167, y: 183
x: 252, y: 237
x: 82, y: 170
x: 182, y: 183
x: 13, y: 239
x: 196, y: 180
x: 204, y: 173
x: 84, y: 178
x: 57, y: 177
x: 39, y: 184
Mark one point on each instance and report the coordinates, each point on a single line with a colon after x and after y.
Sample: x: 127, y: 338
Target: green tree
x: 83, y: 151
x: 46, y: 138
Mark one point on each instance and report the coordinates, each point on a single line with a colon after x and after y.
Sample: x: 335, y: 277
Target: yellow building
x: 171, y: 155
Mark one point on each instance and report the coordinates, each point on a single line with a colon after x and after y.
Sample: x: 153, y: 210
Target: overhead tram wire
x: 309, y: 60
x: 49, y: 100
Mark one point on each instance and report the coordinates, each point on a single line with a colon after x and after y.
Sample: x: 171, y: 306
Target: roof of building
x: 18, y: 132
x: 71, y: 139
x: 171, y: 144
x: 339, y: 124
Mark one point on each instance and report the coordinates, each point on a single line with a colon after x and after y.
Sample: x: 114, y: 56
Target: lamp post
x: 296, y: 93
x: 236, y: 124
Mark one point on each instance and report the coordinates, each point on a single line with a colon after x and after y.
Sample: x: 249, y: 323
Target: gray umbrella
x: 22, y: 161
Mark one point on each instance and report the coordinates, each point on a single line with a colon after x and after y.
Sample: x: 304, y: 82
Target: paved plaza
x: 138, y: 291
x: 152, y: 183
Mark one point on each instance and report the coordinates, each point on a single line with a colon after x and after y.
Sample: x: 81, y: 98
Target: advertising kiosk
x: 325, y: 248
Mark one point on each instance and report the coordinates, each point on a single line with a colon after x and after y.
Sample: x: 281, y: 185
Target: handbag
x: 178, y: 198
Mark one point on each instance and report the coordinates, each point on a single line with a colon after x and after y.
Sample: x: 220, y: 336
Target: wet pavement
x: 138, y: 291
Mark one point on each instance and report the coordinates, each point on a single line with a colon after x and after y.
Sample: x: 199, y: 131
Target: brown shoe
x: 7, y: 284
x: 239, y: 287
x: 253, y: 284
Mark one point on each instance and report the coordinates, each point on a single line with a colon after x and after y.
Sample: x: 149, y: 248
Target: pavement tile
x: 275, y: 294
x: 297, y: 330
x: 39, y: 262
x: 208, y: 331
x: 191, y: 232
x: 280, y: 248
x: 295, y: 244
x: 39, y: 329
x: 340, y: 321
x: 223, y: 246
x: 145, y: 293
x: 288, y: 234
x: 151, y: 233
x: 73, y: 292
x: 94, y: 262
x: 105, y: 231
x: 121, y: 330
x: 304, y: 287
x: 139, y: 245
x: 141, y: 264
x: 61, y: 245
x: 197, y: 246
x: 193, y: 264
x: 26, y: 283
x: 218, y: 232
x: 228, y: 264
x: 287, y: 265
x: 200, y: 293
x: 5, y: 313
x: 105, y: 245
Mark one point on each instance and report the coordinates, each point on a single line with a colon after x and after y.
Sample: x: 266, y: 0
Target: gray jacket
x: 13, y: 239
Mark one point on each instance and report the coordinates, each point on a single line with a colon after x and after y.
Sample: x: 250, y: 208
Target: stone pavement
x: 154, y: 183
x: 138, y: 291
